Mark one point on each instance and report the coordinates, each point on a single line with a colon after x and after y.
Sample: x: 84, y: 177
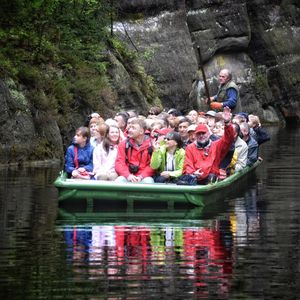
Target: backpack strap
x: 76, y: 157
x: 129, y: 145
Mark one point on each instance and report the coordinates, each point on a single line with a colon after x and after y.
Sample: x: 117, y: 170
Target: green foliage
x: 29, y: 75
x: 71, y: 36
x: 148, y: 54
x: 147, y: 85
x: 7, y: 68
x: 47, y: 26
x: 66, y: 34
x: 130, y: 59
x: 58, y: 50
x: 43, y: 149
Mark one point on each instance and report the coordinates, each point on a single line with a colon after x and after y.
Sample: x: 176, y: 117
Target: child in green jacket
x: 168, y: 158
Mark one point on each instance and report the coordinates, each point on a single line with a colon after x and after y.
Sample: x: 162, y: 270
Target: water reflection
x: 140, y: 256
x: 246, y: 219
x: 113, y: 251
x: 242, y: 247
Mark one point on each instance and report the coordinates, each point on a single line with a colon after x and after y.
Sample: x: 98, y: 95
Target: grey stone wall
x: 22, y: 138
x: 258, y: 40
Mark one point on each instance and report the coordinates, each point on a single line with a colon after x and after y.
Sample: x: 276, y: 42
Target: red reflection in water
x: 147, y: 253
x: 206, y: 258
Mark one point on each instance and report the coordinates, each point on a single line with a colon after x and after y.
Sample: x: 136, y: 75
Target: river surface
x: 246, y: 246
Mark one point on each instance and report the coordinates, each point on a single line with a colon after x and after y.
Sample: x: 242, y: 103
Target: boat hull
x: 157, y: 192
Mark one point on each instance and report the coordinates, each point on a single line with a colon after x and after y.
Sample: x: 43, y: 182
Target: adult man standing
x: 203, y: 156
x: 228, y: 93
x: 134, y: 155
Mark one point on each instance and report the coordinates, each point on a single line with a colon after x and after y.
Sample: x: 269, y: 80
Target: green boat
x: 198, y: 195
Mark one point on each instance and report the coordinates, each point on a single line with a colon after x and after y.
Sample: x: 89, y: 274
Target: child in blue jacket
x: 79, y: 156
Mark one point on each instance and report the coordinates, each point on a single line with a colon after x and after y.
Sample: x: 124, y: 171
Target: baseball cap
x: 163, y: 131
x: 210, y: 113
x: 244, y: 115
x: 201, y: 128
x: 192, y: 127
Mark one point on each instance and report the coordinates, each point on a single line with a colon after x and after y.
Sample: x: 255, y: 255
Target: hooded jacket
x: 130, y: 153
x: 84, y: 155
x: 158, y: 160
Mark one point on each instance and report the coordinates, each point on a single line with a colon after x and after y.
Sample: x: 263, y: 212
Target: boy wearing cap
x: 203, y: 156
x: 191, y: 132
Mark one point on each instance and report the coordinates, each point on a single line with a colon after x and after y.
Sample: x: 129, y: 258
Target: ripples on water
x: 243, y: 247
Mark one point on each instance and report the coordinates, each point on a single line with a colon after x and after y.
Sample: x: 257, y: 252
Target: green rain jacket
x: 158, y: 160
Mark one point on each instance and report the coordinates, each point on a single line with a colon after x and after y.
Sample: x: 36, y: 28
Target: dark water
x: 244, y: 247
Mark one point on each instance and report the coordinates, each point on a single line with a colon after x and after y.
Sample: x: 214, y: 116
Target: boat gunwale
x: 101, y: 185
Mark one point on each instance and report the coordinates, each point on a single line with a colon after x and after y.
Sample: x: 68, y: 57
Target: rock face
x: 219, y: 26
x: 274, y: 47
x: 22, y: 138
x: 258, y: 40
x: 169, y: 57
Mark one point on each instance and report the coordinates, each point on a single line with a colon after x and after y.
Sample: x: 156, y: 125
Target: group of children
x: 122, y: 148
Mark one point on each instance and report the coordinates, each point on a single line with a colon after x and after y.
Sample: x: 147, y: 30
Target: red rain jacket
x: 139, y: 156
x: 208, y: 159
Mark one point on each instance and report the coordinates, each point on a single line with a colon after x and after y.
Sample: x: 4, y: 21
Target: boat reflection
x: 245, y: 219
x: 185, y: 252
x: 83, y: 211
x: 141, y: 254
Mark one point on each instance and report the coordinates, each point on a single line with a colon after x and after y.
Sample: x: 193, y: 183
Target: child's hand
x: 155, y: 145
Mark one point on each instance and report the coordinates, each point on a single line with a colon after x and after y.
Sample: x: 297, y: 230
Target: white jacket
x: 102, y: 161
x: 241, y: 150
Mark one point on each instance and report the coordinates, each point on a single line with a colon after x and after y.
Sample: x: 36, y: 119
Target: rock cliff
x: 259, y: 40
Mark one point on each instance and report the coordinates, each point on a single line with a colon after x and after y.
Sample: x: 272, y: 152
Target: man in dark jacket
x: 251, y: 142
